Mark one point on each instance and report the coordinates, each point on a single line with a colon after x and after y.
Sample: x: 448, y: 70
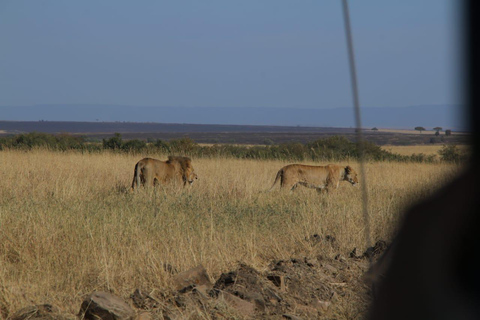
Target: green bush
x: 183, y: 146
x: 162, y: 146
x: 421, y: 157
x: 37, y: 139
x: 134, y: 145
x: 113, y: 143
x: 322, y: 150
x: 451, y: 153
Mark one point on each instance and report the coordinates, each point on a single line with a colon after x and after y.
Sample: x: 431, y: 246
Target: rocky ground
x: 297, y: 288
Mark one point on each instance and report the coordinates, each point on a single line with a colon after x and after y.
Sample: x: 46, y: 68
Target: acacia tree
x: 375, y: 129
x: 438, y: 129
x: 420, y: 129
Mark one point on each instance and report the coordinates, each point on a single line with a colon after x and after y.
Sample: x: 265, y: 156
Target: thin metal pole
x: 358, y: 122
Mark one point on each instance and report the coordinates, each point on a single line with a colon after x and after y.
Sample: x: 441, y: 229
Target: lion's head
x: 188, y: 174
x: 191, y: 176
x: 351, y: 175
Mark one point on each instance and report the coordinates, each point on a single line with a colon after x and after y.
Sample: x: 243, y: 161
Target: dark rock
x: 354, y: 254
x: 242, y: 306
x: 278, y: 280
x: 43, y: 311
x: 193, y: 277
x: 105, y: 306
x: 291, y: 317
x: 372, y: 252
x: 144, y: 315
x: 142, y: 300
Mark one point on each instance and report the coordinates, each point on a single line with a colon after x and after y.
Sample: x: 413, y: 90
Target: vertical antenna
x: 358, y: 122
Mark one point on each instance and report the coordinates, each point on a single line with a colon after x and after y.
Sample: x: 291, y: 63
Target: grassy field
x: 409, y: 150
x: 425, y: 149
x: 69, y: 226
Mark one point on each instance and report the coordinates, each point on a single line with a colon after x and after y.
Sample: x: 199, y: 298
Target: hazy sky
x: 219, y: 53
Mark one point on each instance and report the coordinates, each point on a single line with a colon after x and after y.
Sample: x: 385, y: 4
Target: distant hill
x: 447, y: 117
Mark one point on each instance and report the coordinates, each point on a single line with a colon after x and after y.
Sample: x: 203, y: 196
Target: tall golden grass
x: 425, y: 149
x: 68, y: 224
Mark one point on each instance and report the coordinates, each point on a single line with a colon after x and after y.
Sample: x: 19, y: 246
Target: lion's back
x: 154, y: 167
x: 318, y: 174
x: 333, y: 168
x: 306, y: 173
x: 185, y: 163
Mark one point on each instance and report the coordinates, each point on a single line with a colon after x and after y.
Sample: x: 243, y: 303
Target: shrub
x: 163, y: 146
x: 268, y: 142
x: 36, y: 139
x: 183, y: 146
x: 421, y: 157
x: 329, y: 149
x: 113, y: 143
x: 134, y: 145
x: 451, y: 153
x: 336, y: 147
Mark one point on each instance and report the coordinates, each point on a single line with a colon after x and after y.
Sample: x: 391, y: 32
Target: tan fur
x: 322, y: 178
x: 149, y: 172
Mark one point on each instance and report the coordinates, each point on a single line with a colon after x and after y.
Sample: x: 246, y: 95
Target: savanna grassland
x: 417, y: 149
x: 70, y: 226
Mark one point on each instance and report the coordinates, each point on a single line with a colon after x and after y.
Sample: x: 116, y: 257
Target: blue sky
x: 218, y: 53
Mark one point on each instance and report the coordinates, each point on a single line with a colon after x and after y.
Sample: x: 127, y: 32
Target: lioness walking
x: 150, y: 171
x: 322, y: 178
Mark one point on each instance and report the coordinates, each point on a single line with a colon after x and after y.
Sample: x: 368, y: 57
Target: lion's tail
x: 136, y: 176
x: 277, y: 178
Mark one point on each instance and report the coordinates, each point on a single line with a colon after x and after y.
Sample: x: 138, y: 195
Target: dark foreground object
x: 432, y: 271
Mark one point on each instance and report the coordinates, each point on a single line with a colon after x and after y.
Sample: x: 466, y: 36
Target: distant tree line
x: 436, y: 129
x: 327, y: 149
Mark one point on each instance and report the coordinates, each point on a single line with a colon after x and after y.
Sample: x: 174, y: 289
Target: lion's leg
x: 292, y: 188
x: 149, y: 181
x: 132, y: 188
x: 332, y: 184
x: 136, y: 177
x: 287, y: 185
x: 331, y: 187
x: 322, y: 190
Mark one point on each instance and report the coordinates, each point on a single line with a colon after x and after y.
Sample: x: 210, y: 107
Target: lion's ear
x: 348, y: 169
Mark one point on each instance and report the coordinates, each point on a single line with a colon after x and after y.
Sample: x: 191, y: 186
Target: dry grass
x: 409, y: 150
x: 425, y: 149
x: 68, y: 226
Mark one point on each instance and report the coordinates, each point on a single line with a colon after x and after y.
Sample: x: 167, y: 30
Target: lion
x: 149, y: 172
x: 321, y: 178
